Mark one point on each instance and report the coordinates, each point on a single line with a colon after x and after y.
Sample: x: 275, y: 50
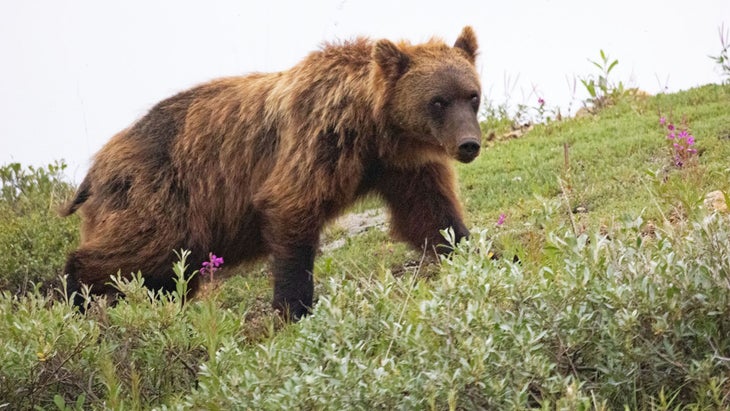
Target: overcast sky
x: 73, y: 73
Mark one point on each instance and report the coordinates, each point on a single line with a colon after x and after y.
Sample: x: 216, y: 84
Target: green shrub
x: 610, y: 322
x: 34, y: 238
x: 604, y: 323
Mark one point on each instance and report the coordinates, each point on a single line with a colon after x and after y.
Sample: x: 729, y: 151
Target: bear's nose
x: 468, y: 150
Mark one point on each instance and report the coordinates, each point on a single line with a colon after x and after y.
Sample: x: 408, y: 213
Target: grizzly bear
x: 251, y: 166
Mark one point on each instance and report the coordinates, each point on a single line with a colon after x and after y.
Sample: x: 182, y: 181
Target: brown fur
x: 251, y: 166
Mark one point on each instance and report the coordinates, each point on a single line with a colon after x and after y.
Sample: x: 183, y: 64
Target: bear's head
x: 433, y: 93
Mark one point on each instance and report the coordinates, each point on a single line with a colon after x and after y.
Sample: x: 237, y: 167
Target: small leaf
x: 80, y: 401
x: 592, y: 89
x: 59, y: 401
x: 438, y: 331
x: 615, y: 62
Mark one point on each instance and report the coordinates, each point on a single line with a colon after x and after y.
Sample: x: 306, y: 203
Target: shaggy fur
x: 251, y: 166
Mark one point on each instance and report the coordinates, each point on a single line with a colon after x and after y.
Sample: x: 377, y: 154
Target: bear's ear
x: 467, y: 41
x: 391, y: 60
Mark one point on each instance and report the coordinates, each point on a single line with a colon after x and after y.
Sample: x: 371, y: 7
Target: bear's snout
x: 468, y: 150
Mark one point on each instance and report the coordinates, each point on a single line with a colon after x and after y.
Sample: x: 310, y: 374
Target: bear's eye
x: 475, y: 102
x: 437, y: 105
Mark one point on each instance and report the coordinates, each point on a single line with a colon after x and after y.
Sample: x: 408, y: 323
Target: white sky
x: 73, y: 73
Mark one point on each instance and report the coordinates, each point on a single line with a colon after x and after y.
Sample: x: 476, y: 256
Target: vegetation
x: 723, y: 58
x: 602, y: 92
x: 32, y: 236
x: 611, y: 290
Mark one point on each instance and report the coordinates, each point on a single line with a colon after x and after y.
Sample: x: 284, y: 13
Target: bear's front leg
x: 291, y: 232
x: 293, y: 280
x: 423, y: 202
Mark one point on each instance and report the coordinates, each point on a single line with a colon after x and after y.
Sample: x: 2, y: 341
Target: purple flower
x: 501, y: 219
x: 541, y: 101
x: 681, y: 140
x: 212, y: 265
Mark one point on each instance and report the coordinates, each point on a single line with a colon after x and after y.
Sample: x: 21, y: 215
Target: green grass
x: 609, y: 155
x: 624, y: 304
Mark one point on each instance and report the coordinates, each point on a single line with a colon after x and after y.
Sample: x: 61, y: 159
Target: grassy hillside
x: 620, y: 298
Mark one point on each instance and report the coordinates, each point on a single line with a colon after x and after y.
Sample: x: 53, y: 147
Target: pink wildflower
x: 681, y: 141
x: 501, y: 219
x: 212, y: 265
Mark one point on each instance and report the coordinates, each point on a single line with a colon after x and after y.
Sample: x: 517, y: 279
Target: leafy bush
x: 34, y: 238
x: 605, y: 322
x: 628, y: 320
x: 145, y: 350
x: 608, y: 323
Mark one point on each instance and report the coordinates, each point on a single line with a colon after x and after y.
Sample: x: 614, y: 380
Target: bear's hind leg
x: 85, y: 266
x: 73, y: 285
